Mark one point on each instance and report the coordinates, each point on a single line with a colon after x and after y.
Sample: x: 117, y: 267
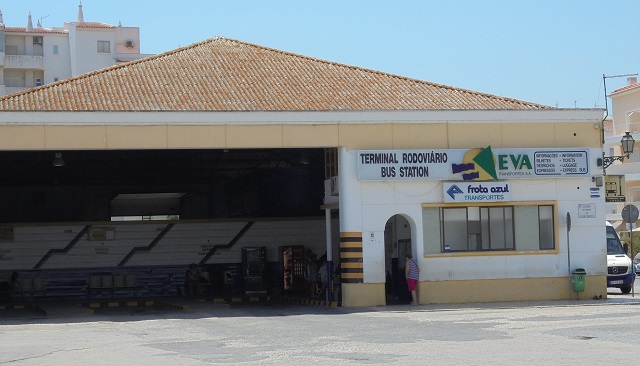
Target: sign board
x: 480, y: 164
x: 614, y: 188
x: 476, y: 192
x: 587, y: 210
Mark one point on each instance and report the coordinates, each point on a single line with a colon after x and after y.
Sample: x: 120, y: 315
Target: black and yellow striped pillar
x: 351, y: 257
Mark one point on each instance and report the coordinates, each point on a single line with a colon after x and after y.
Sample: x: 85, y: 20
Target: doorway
x: 397, y: 244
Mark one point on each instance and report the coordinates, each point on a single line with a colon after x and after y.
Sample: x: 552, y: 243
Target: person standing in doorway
x: 412, y: 272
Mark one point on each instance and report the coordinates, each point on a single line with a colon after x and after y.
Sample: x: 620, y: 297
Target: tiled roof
x: 626, y: 88
x: 35, y: 30
x: 93, y: 25
x: 222, y: 74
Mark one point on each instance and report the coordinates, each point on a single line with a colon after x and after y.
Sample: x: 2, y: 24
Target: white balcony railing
x: 24, y: 62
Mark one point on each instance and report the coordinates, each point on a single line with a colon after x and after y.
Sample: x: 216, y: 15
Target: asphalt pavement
x: 192, y: 332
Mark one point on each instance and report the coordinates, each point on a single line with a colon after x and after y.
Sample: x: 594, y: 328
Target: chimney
x: 29, y: 24
x: 632, y: 80
x: 80, y: 16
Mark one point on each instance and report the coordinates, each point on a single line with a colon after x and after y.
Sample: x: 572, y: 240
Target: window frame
x: 101, y: 46
x: 483, y: 232
x: 540, y: 238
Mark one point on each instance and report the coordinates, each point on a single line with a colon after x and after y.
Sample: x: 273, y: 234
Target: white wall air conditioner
x: 334, y: 187
x: 129, y: 44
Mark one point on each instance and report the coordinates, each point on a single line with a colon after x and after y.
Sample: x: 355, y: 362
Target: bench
x: 112, y: 283
x: 31, y: 286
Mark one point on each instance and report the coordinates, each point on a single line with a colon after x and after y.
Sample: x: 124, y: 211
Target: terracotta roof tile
x: 222, y: 74
x: 626, y: 88
x: 35, y: 30
x: 92, y: 25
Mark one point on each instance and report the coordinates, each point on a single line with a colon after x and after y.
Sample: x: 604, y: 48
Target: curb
x: 294, y: 301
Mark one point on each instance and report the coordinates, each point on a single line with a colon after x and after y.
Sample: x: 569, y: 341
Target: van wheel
x: 625, y: 289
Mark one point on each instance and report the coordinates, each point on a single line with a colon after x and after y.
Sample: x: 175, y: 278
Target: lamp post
x: 627, y: 148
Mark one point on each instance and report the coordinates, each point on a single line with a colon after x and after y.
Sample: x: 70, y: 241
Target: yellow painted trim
x: 492, y: 253
x: 132, y: 303
x: 352, y: 265
x: 350, y: 255
x: 363, y: 294
x: 473, y: 204
x: 509, y: 289
x: 113, y: 304
x: 351, y: 244
x: 352, y: 275
x: 347, y: 234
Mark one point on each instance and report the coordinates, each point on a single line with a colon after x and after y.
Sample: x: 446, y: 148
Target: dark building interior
x: 95, y: 185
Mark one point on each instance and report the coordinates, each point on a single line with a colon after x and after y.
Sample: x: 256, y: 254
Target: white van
x: 620, y: 271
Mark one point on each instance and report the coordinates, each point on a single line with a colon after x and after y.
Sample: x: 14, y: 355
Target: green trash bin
x: 578, y: 279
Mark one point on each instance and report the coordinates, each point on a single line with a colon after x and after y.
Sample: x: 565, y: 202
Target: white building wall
x: 87, y: 57
x: 56, y: 65
x: 369, y: 204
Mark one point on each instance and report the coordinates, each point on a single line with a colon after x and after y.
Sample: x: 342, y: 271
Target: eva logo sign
x: 479, y: 164
x: 476, y: 191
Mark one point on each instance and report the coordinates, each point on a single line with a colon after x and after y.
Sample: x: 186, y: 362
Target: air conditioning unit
x: 129, y: 44
x: 37, y: 40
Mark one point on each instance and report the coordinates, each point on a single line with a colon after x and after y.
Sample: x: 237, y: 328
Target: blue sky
x: 552, y: 52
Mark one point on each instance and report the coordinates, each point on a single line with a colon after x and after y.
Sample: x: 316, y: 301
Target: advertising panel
x: 479, y: 164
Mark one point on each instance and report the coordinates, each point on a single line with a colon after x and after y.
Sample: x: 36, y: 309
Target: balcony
x: 24, y: 62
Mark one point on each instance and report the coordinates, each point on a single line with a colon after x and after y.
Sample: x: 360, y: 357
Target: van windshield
x: 613, y: 243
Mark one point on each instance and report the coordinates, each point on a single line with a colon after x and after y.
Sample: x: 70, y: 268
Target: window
x: 37, y: 40
x: 56, y: 49
x: 38, y: 82
x: 477, y: 228
x: 55, y: 79
x: 489, y: 228
x: 104, y: 47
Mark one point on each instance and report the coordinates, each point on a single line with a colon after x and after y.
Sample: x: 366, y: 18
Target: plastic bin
x: 578, y: 279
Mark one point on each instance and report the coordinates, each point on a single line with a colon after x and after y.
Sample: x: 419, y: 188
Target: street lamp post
x: 627, y: 148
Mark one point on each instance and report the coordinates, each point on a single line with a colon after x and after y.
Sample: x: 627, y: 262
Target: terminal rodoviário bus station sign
x: 470, y: 167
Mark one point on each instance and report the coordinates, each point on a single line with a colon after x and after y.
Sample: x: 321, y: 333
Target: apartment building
x: 33, y: 56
